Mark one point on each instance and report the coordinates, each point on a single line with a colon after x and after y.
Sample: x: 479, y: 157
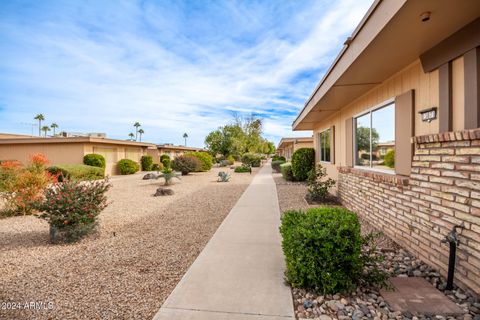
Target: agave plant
x: 168, y: 174
x: 223, y: 177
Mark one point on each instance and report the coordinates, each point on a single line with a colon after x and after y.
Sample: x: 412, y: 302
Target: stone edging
x: 473, y: 134
x: 397, y: 180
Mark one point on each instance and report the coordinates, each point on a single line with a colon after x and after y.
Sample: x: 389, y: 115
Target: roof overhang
x: 284, y: 142
x: 390, y: 37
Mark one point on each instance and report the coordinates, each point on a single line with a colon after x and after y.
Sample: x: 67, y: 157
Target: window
x: 375, y: 138
x: 324, y: 142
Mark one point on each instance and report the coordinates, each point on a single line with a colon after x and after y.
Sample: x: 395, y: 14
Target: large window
x: 324, y: 141
x: 375, y: 138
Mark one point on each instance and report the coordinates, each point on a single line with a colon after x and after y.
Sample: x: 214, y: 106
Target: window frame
x: 354, y: 132
x: 320, y: 145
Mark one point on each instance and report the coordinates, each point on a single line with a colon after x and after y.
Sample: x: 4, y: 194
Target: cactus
x: 223, y: 177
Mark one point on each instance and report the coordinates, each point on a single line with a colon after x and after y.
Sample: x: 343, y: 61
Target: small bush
x: 147, y: 162
x: 277, y: 158
x: 389, y: 159
x: 276, y: 165
x: 157, y: 167
x: 251, y: 159
x: 72, y: 208
x: 319, y: 187
x: 94, y: 160
x: 206, y: 160
x: 242, y: 169
x: 303, y: 160
x: 230, y: 159
x: 165, y: 160
x: 322, y: 249
x: 127, y: 166
x: 186, y: 164
x: 286, y: 170
x: 80, y: 172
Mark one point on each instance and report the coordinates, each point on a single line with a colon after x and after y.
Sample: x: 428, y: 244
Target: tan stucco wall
x: 55, y: 153
x: 114, y: 153
x: 299, y: 145
x: 411, y: 77
x: 458, y: 95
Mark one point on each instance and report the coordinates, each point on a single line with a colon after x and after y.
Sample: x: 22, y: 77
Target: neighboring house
x: 408, y: 76
x: 287, y: 146
x: 171, y: 150
x: 13, y: 136
x: 72, y: 150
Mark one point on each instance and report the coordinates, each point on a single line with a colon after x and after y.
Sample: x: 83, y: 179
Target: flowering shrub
x: 24, y: 186
x: 72, y: 208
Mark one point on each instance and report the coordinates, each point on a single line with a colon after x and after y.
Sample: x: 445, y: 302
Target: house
x: 409, y: 77
x: 71, y: 150
x: 287, y: 146
x: 171, y: 150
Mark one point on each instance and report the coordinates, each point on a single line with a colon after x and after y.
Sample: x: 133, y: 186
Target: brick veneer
x: 442, y: 190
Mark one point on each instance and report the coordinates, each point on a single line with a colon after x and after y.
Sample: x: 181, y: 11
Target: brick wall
x: 418, y: 211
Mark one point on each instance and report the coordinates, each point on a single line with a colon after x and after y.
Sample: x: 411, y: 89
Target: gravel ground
x: 144, y: 247
x: 367, y: 303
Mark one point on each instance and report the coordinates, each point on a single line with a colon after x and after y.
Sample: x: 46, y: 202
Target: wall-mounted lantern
x: 428, y: 114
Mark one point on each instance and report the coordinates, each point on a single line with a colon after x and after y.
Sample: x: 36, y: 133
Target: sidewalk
x: 239, y: 274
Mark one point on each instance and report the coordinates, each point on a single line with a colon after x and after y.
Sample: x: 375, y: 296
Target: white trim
x: 392, y: 172
x: 377, y: 106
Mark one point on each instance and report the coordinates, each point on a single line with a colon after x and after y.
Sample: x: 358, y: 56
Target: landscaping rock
x: 149, y: 176
x: 163, y: 192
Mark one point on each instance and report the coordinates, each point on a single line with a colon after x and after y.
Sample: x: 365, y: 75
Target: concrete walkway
x: 239, y: 274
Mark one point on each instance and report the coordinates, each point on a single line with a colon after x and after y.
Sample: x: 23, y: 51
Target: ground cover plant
x: 76, y: 172
x: 127, y: 166
x: 323, y: 251
x: 243, y: 168
x: 72, y: 208
x: 303, y: 160
x: 147, y: 162
x: 95, y: 160
x: 186, y: 164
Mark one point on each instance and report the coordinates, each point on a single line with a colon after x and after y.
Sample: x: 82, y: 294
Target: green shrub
x: 389, y: 159
x: 147, y: 162
x: 206, y: 160
x: 251, y: 159
x: 276, y: 165
x: 303, y: 160
x: 243, y: 168
x: 94, y: 160
x: 165, y: 160
x: 79, y: 172
x: 186, y: 164
x: 157, y: 167
x: 277, y: 158
x: 286, y: 170
x: 127, y: 166
x: 319, y: 187
x: 230, y: 159
x: 322, y: 248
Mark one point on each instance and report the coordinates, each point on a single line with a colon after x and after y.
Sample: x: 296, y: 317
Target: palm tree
x: 185, y: 136
x: 131, y: 135
x: 40, y: 118
x: 54, y: 126
x: 141, y: 132
x: 136, y: 125
x: 45, y: 129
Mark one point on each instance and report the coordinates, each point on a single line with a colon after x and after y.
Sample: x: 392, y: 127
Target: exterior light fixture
x: 428, y: 114
x: 425, y: 16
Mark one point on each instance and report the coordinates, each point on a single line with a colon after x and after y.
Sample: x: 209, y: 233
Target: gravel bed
x: 367, y: 303
x: 144, y: 247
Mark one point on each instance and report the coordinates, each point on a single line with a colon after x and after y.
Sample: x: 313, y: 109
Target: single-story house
x: 171, y: 150
x: 287, y: 146
x: 409, y: 77
x: 72, y: 150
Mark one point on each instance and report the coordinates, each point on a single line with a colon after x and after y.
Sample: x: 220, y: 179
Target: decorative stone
x: 163, y: 192
x: 307, y: 304
x: 460, y: 295
x: 325, y: 317
x: 149, y: 176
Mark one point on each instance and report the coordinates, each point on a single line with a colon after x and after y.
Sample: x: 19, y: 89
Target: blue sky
x: 174, y: 66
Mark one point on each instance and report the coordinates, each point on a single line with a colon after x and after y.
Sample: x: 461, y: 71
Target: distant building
x: 171, y: 150
x: 287, y: 146
x: 80, y: 134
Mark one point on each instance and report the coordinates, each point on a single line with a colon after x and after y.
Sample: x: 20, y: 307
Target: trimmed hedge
x: 276, y: 165
x: 77, y: 172
x: 303, y: 160
x: 277, y: 158
x: 147, y: 162
x: 165, y: 160
x: 186, y: 164
x: 127, y: 166
x: 206, y: 160
x: 95, y: 160
x: 322, y: 249
x: 251, y: 159
x: 286, y: 170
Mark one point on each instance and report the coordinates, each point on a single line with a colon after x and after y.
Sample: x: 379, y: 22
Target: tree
x: 54, y: 126
x: 185, y: 136
x: 136, y: 125
x: 40, y: 118
x: 363, y: 139
x: 131, y: 135
x: 141, y: 132
x: 45, y: 129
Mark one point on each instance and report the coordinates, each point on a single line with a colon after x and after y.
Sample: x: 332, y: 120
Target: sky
x: 174, y: 66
